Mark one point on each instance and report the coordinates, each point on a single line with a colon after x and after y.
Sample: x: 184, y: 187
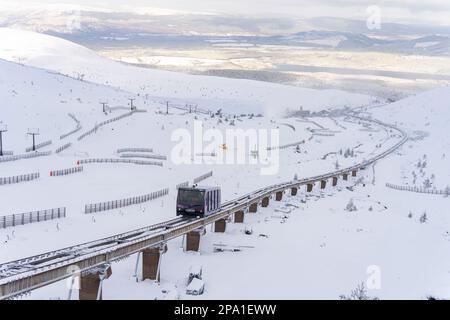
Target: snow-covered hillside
x: 426, y: 117
x: 35, y: 98
x: 65, y: 57
x: 313, y: 245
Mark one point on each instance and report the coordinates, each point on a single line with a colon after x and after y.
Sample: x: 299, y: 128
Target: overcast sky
x: 431, y: 12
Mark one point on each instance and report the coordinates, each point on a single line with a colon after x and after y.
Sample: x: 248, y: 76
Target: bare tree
x: 359, y: 293
x: 423, y: 217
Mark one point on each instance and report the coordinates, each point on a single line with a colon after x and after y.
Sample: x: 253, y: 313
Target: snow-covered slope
x: 317, y: 250
x: 65, y: 57
x: 35, y: 98
x: 426, y: 117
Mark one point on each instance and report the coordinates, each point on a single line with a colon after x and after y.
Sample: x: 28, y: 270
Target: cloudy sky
x: 429, y: 12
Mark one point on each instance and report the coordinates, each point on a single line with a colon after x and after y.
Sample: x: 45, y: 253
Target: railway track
x: 23, y: 275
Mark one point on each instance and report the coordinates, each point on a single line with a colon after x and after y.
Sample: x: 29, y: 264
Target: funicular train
x: 198, y: 201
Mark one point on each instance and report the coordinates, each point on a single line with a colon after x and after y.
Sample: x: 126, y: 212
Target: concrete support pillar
x: 293, y: 191
x: 220, y: 225
x: 89, y: 286
x: 354, y: 173
x: 193, y: 239
x: 265, y: 202
x: 151, y: 261
x: 309, y: 187
x: 239, y: 216
x: 345, y: 176
x: 90, y: 282
x: 335, y: 180
x: 253, y: 208
x: 279, y: 196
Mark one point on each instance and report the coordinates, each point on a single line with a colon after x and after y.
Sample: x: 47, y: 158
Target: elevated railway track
x: 23, y: 275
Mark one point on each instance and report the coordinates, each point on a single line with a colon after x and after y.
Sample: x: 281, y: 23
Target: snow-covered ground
x: 426, y: 117
x: 103, y: 182
x: 318, y: 250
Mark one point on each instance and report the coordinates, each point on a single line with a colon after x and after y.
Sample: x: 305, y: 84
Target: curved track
x: 17, y: 277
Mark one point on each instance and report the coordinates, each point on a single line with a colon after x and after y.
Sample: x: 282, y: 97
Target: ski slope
x: 36, y: 98
x: 318, y: 250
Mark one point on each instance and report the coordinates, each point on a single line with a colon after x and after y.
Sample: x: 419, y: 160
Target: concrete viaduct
x: 92, y: 261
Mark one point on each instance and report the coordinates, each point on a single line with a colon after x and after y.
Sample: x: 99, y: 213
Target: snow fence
x: 39, y: 146
x: 31, y: 217
x: 140, y: 162
x: 203, y: 177
x: 20, y: 178
x: 101, y: 124
x: 25, y: 156
x: 294, y: 144
x: 64, y: 172
x: 141, y: 155
x: 182, y: 185
x: 77, y: 128
x: 418, y: 190
x: 115, y: 204
x: 134, y: 150
x: 62, y: 148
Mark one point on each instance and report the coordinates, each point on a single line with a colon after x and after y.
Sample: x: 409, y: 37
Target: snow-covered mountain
x: 70, y: 59
x: 348, y: 41
x: 326, y: 249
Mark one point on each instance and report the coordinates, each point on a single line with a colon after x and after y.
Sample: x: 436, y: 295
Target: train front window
x: 191, y: 197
